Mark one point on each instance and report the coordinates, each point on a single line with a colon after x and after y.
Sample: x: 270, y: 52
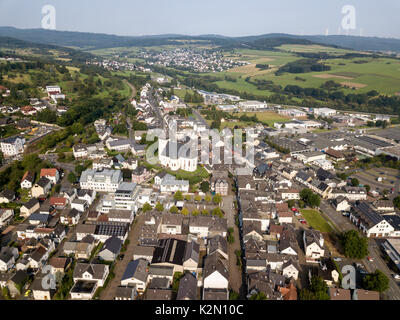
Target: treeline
x: 303, y: 66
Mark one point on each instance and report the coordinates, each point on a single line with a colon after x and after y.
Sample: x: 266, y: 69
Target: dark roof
x: 187, y: 288
x: 169, y: 251
x: 136, y: 269
x: 8, y: 194
x: 31, y: 203
x: 113, y: 244
x: 43, y: 181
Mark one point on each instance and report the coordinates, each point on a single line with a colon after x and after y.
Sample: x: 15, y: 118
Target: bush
x: 354, y: 245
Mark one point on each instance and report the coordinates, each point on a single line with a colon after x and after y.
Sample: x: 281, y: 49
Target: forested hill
x: 8, y: 44
x: 84, y: 40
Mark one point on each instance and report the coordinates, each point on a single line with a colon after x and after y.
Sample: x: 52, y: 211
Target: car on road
x: 303, y: 221
x: 337, y: 259
x: 370, y: 259
x: 396, y: 276
x: 121, y: 257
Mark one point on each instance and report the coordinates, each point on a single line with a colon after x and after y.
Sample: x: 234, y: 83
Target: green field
x: 315, y: 220
x: 268, y: 117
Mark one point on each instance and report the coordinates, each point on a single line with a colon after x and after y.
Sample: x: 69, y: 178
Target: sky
x: 195, y: 17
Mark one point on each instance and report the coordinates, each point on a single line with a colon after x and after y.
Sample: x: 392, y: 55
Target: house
x: 341, y: 204
x: 102, y: 181
x: 111, y: 249
x: 204, y: 226
x: 170, y: 252
x: 289, y: 292
x: 87, y: 195
x: 8, y: 257
x: 136, y: 274
x: 16, y: 282
x: 170, y: 184
x: 38, y: 258
x: 80, y: 250
x: 191, y: 256
x: 30, y: 207
x: 27, y: 180
x: 41, y: 188
x: 7, y: 196
x: 140, y: 174
x: 52, y: 174
x: 70, y: 217
x: 79, y: 205
x: 80, y: 151
x: 252, y: 230
x: 158, y: 294
x: 59, y: 265
x: 141, y: 252
x: 91, y: 272
x: 219, y: 182
x: 339, y: 294
x: 12, y: 146
x: 215, y: 272
x: 125, y: 293
x: 370, y: 221
x: 187, y: 287
x: 58, y: 202
x: 359, y: 294
x: 39, y: 292
x: 171, y: 223
x: 291, y: 269
x: 313, y: 245
x: 117, y: 215
x: 215, y: 294
x: 6, y: 216
x: 218, y: 244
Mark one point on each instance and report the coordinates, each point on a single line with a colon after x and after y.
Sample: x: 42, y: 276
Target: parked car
x: 337, y: 259
x: 396, y: 276
x: 370, y: 259
x: 303, y: 221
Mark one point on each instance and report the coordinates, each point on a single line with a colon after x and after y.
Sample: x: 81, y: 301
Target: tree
x: 310, y: 198
x: 147, y: 207
x: 72, y: 177
x: 218, y: 212
x: 159, y: 207
x: 197, y: 198
x: 204, y: 212
x: 354, y: 246
x: 175, y: 281
x: 188, y: 197
x: 178, y: 196
x: 205, y: 186
x: 291, y: 203
x: 185, y: 211
x: 258, y: 296
x: 207, y: 198
x: 376, y: 281
x: 367, y: 187
x: 355, y: 182
x: 317, y: 290
x: 217, y: 199
x: 396, y: 202
x: 233, y: 295
x: 195, y: 212
x: 173, y: 209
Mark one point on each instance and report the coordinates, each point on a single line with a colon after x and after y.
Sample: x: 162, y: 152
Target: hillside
x: 87, y: 41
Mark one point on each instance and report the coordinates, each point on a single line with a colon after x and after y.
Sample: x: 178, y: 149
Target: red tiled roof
x: 48, y: 172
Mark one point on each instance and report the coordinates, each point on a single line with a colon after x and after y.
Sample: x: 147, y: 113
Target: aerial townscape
x: 198, y: 168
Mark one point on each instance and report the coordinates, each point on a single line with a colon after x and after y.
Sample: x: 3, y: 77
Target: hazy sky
x: 193, y: 17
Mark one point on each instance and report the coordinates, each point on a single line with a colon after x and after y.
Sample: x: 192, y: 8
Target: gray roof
x: 192, y: 251
x: 96, y: 270
x: 187, y: 288
x: 115, y: 176
x: 112, y: 244
x: 136, y: 269
x: 215, y: 262
x: 217, y: 242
